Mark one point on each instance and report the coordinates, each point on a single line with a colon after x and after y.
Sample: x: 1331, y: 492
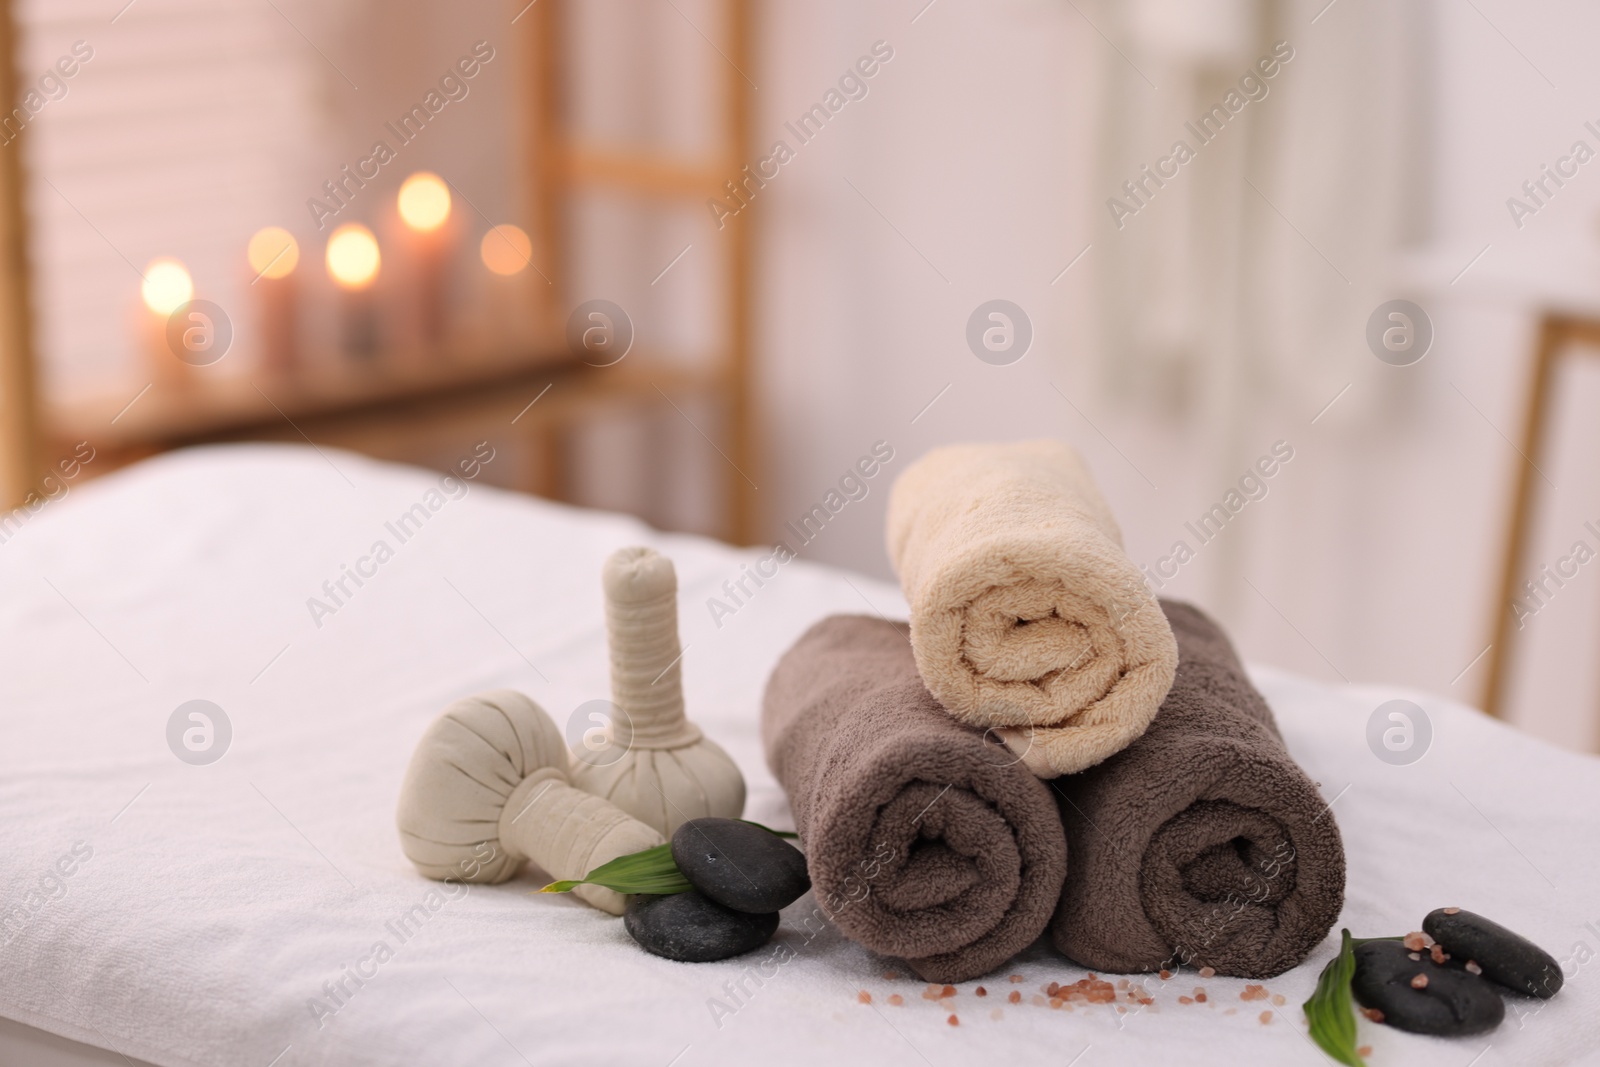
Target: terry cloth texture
x: 924, y: 841
x: 1203, y: 842
x: 1026, y: 614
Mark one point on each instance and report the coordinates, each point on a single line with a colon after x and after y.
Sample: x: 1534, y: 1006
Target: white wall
x: 958, y: 179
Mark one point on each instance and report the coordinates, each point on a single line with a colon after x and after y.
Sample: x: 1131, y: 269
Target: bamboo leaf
x: 1328, y: 1012
x: 649, y: 871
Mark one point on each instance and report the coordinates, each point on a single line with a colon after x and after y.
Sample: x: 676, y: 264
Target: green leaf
x: 1333, y: 1023
x: 650, y: 871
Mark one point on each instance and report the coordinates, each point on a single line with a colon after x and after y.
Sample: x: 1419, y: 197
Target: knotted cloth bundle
x: 657, y: 766
x: 1026, y: 614
x: 487, y: 788
x: 1203, y: 842
x: 923, y: 840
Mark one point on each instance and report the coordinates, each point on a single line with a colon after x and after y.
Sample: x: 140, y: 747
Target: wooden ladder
x: 564, y: 167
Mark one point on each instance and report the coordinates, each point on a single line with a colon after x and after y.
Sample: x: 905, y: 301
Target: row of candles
x: 353, y: 261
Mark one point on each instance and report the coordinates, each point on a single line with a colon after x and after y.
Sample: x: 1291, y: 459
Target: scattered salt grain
x: 896, y: 999
x: 864, y: 997
x: 953, y: 1021
x: 982, y: 992
x: 1472, y: 966
x: 1015, y: 997
x: 1208, y: 972
x: 1419, y: 982
x: 1266, y: 1018
x: 1452, y: 911
x: 1416, y: 941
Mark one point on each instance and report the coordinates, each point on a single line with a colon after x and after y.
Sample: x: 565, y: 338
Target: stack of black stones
x: 742, y: 874
x: 1448, y: 979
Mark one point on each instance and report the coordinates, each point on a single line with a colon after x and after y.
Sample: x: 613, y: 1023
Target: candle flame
x: 273, y: 252
x: 506, y: 249
x: 167, y: 286
x: 424, y: 201
x: 353, y: 258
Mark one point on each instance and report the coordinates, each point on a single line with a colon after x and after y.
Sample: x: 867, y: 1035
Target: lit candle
x: 273, y: 255
x: 167, y: 287
x: 353, y: 262
x: 424, y: 204
x: 507, y: 253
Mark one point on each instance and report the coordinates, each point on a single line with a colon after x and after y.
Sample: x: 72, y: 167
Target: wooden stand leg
x: 19, y: 421
x: 1552, y: 339
x: 547, y: 465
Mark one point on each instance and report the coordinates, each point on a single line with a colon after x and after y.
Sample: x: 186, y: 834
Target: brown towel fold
x: 924, y: 840
x: 1202, y: 842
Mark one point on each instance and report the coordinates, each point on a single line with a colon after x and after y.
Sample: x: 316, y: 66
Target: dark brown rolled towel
x: 1203, y: 842
x: 924, y: 840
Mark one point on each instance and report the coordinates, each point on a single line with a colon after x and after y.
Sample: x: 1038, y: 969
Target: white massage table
x: 208, y: 906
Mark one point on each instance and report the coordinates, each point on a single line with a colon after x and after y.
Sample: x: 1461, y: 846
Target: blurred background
x: 690, y: 259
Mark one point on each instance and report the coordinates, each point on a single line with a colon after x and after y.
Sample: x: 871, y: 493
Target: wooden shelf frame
x: 331, y: 403
x: 566, y: 166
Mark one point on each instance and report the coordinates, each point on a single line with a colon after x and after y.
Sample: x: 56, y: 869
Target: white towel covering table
x: 258, y: 910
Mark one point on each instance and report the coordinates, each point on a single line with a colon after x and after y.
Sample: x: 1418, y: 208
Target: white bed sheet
x: 219, y: 899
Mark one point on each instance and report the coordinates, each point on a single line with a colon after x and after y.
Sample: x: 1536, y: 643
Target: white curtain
x: 1247, y: 269
x: 1242, y: 284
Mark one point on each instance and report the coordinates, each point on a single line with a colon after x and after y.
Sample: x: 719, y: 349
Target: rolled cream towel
x: 487, y: 789
x: 1026, y: 614
x: 923, y: 840
x: 1203, y: 842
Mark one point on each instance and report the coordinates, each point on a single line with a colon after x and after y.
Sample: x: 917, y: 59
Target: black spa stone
x: 1452, y: 1003
x: 1507, y: 957
x: 739, y: 865
x: 692, y: 929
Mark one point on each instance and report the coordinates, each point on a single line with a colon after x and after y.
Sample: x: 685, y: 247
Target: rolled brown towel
x: 924, y: 840
x: 1203, y: 842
